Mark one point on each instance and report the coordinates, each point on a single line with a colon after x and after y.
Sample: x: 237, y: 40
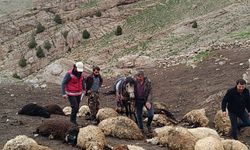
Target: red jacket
x: 74, y: 86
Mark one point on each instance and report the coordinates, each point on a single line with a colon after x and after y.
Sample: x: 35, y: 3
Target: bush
x: 98, y: 13
x: 85, y: 34
x: 39, y: 28
x: 58, y: 19
x: 194, y: 25
x: 22, y: 62
x: 32, y: 43
x: 65, y: 34
x: 39, y: 52
x: 47, y: 45
x: 118, y: 31
x: 15, y: 75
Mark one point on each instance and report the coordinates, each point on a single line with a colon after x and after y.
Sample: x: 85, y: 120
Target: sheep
x: 91, y: 138
x: 196, y: 118
x: 133, y: 147
x: 202, y: 132
x: 121, y: 127
x: 105, y: 113
x: 54, y: 109
x: 32, y: 109
x: 83, y: 111
x: 245, y: 132
x: 67, y: 110
x: 59, y: 129
x: 160, y: 135
x: 222, y: 123
x: 160, y: 120
x: 233, y: 145
x: 23, y: 142
x: 127, y: 147
x: 209, y: 143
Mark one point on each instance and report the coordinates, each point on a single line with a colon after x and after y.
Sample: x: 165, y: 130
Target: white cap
x: 79, y: 66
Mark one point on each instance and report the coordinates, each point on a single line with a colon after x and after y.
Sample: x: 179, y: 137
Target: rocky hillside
x: 41, y: 43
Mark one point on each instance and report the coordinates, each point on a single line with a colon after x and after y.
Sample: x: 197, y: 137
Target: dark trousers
x: 234, y: 124
x: 139, y: 108
x: 74, y: 103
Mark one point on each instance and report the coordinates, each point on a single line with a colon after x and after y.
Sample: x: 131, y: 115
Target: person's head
x: 96, y: 71
x: 240, y: 85
x: 78, y: 66
x: 140, y: 76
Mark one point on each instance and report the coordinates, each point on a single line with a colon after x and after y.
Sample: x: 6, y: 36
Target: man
x: 72, y: 87
x: 143, y: 97
x: 93, y: 84
x: 237, y: 101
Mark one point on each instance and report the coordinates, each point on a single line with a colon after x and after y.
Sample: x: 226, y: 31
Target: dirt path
x: 181, y: 87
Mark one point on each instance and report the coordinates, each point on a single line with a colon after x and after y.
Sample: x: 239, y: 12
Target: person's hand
x: 65, y: 96
x: 148, y: 105
x: 224, y: 113
x: 248, y: 114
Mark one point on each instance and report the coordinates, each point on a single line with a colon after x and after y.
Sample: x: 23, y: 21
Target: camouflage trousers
x: 93, y: 103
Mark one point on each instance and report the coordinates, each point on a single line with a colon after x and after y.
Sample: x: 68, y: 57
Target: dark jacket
x: 147, y: 90
x: 236, y: 102
x: 89, y: 81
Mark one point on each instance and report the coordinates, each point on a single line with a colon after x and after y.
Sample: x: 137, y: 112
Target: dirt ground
x: 182, y: 88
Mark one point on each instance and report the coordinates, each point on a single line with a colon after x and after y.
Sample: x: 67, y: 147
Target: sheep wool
x: 202, y: 132
x: 209, y: 143
x: 105, y: 113
x: 222, y: 123
x: 23, y: 142
x: 83, y: 111
x: 233, y: 145
x: 160, y: 120
x: 91, y: 138
x: 121, y: 127
x: 67, y: 110
x: 196, y: 118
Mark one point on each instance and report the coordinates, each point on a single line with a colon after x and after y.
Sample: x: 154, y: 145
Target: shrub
x: 85, y: 34
x: 15, y: 75
x: 98, y: 13
x: 118, y: 31
x: 22, y: 62
x: 47, y: 45
x: 65, y: 34
x: 32, y: 43
x: 58, y: 19
x: 39, y: 52
x: 39, y: 28
x: 194, y: 25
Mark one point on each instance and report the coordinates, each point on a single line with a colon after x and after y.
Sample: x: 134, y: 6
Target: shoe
x: 142, y: 131
x: 150, y: 129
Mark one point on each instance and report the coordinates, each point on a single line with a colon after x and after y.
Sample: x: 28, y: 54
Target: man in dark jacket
x: 143, y: 97
x: 72, y: 87
x: 237, y: 100
x: 93, y: 84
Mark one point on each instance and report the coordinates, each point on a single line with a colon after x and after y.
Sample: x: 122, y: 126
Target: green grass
x: 91, y: 4
x: 242, y: 34
x: 201, y: 56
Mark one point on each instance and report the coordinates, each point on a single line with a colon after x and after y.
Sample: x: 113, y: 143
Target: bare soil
x: 183, y: 88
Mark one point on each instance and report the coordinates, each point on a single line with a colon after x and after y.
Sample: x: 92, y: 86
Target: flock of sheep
x: 168, y: 132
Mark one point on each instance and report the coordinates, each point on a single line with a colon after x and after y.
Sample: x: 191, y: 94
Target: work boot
x: 142, y: 131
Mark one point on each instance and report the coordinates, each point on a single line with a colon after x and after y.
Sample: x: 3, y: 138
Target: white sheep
x: 196, y: 118
x: 83, y: 111
x: 23, y: 142
x: 202, y: 132
x: 121, y: 127
x: 67, y: 110
x: 233, y: 145
x: 209, y: 143
x: 105, y: 113
x: 222, y: 123
x: 160, y: 120
x: 91, y: 138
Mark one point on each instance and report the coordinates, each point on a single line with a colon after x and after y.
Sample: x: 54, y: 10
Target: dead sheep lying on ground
x: 59, y: 129
x: 127, y: 147
x: 105, y: 113
x: 22, y: 142
x: 54, y: 109
x: 222, y: 123
x: 83, y: 111
x: 32, y: 109
x: 195, y: 118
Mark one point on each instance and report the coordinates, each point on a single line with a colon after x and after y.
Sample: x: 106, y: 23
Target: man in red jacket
x: 72, y: 87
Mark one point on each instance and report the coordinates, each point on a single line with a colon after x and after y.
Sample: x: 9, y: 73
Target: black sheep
x: 54, y: 109
x: 32, y: 109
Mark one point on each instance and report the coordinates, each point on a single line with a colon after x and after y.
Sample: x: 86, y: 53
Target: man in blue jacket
x: 237, y: 100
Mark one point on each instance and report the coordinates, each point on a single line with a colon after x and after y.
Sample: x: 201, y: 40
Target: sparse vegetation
x: 58, y: 19
x: 118, y: 31
x: 200, y: 56
x: 39, y: 28
x: 22, y: 62
x: 98, y: 13
x: 15, y: 75
x: 85, y: 34
x: 39, y: 52
x: 242, y: 34
x: 32, y: 43
x: 89, y: 4
x: 194, y: 24
x: 65, y: 34
x: 47, y: 45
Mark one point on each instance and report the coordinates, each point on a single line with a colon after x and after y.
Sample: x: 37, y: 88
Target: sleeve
x: 225, y: 101
x: 150, y: 92
x: 248, y: 101
x: 64, y: 82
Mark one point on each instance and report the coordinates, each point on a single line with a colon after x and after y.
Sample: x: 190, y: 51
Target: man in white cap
x: 72, y: 87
